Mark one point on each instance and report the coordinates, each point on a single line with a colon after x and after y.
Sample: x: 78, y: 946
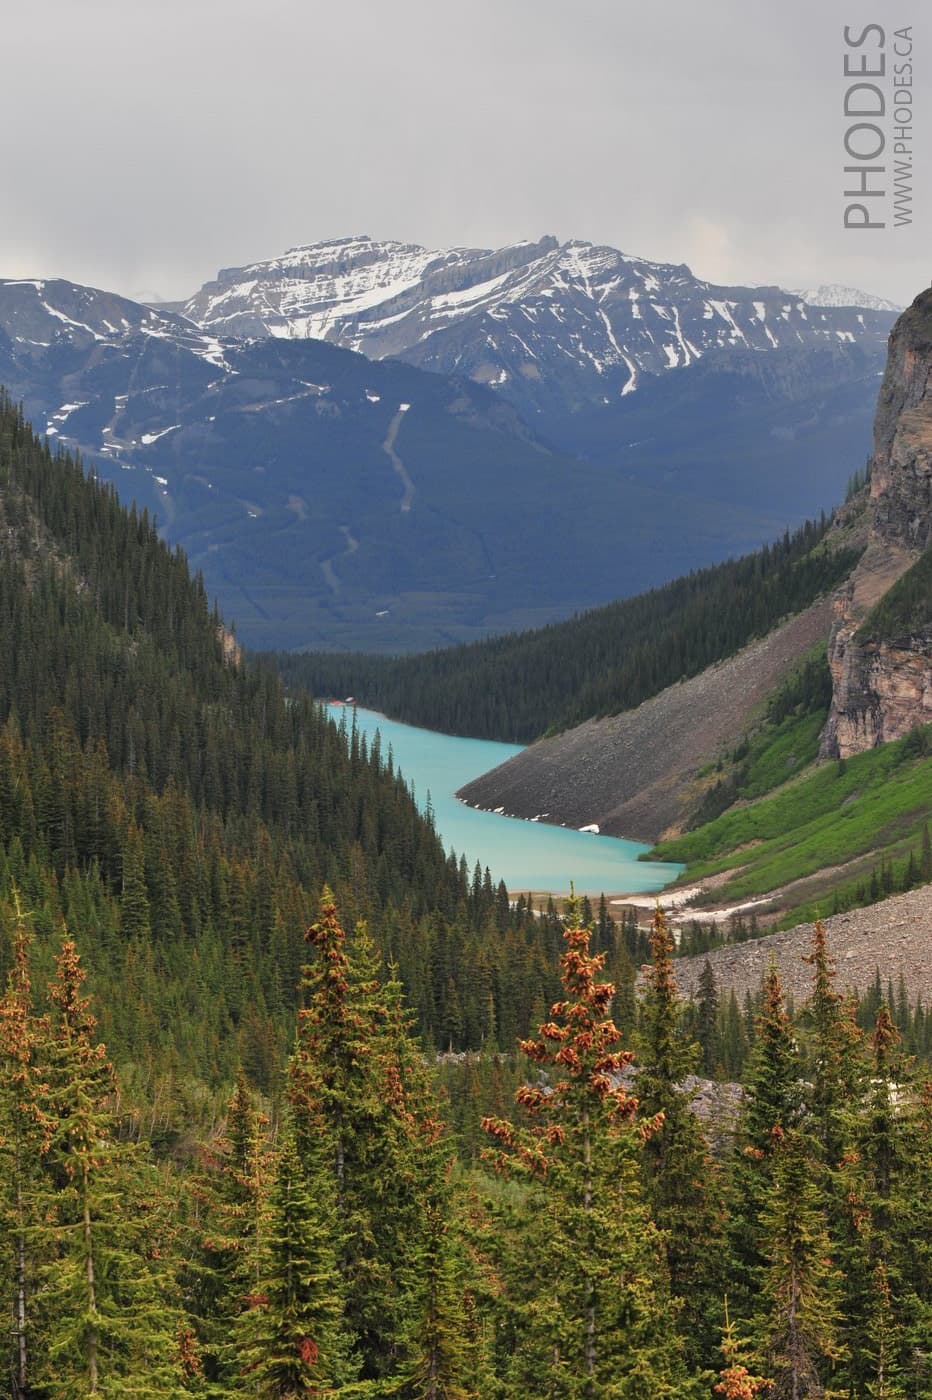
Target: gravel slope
x: 633, y: 774
x: 894, y: 936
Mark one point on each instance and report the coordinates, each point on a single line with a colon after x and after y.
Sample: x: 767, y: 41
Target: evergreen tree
x: 19, y: 1144
x: 595, y: 1316
x: 109, y: 1325
x: 799, y: 1319
x: 834, y: 1068
x: 227, y: 1197
x: 358, y: 1082
x: 293, y: 1341
x: 772, y: 1107
x: 735, y: 1381
x: 707, y: 1019
x: 888, y: 1302
x: 681, y: 1180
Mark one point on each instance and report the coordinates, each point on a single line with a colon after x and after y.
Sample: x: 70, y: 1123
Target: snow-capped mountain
x: 832, y: 294
x: 551, y: 326
x: 335, y: 499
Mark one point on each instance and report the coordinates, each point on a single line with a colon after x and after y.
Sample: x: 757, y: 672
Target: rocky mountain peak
x: 901, y: 478
x: 554, y: 328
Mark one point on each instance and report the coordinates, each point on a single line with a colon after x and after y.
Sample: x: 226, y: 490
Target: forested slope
x: 516, y: 688
x: 164, y: 799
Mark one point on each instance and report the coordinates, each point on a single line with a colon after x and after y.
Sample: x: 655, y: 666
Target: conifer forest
x: 294, y: 1103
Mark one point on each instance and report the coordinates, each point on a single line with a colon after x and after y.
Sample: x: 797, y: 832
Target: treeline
x: 516, y: 688
x: 725, y: 1029
x: 332, y: 1243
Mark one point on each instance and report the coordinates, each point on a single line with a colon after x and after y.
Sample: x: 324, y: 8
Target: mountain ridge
x: 548, y: 325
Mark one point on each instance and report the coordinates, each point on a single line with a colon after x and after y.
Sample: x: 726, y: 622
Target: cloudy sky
x: 149, y: 142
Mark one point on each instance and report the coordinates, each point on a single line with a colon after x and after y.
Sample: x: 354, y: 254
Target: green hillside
x: 163, y: 800
x: 838, y: 834
x: 517, y: 687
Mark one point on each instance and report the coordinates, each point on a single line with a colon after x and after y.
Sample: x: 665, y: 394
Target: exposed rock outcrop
x: 883, y: 686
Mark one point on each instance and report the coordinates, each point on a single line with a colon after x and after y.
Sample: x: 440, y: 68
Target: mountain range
x: 374, y: 445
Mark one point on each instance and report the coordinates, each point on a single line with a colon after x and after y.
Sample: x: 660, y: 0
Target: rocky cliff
x: 882, y: 679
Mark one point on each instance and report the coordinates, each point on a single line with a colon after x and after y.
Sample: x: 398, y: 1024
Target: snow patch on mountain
x: 544, y: 323
x: 833, y: 294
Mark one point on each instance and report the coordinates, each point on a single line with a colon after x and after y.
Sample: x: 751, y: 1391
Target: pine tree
x: 108, y: 1323
x: 835, y: 1070
x: 735, y: 1381
x: 440, y: 1355
x: 594, y: 1319
x: 680, y: 1177
x: 799, y: 1319
x: 134, y: 898
x: 222, y: 1260
x: 772, y: 1106
x: 888, y: 1255
x: 707, y: 1019
x: 359, y: 1094
x: 19, y: 1144
x: 291, y: 1337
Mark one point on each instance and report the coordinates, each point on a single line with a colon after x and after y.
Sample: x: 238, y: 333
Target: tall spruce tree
x: 291, y: 1340
x: 226, y: 1199
x: 358, y: 1094
x: 887, y: 1177
x: 19, y: 1150
x: 680, y: 1177
x: 799, y: 1320
x: 594, y: 1318
x: 772, y: 1106
x: 109, y: 1324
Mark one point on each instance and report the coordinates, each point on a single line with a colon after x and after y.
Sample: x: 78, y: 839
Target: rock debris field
x: 892, y: 937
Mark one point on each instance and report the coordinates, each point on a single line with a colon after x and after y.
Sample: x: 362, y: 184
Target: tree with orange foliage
x: 109, y: 1320
x: 735, y: 1381
x: 590, y: 1315
x: 364, y: 1116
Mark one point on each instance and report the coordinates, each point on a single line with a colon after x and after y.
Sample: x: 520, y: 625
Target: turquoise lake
x: 526, y: 855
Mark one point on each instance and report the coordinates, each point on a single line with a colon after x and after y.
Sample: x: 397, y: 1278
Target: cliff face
x: 883, y: 687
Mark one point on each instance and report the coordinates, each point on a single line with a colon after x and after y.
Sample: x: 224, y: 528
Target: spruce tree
x: 707, y: 1019
x: 833, y: 1047
x: 360, y: 1097
x: 593, y: 1313
x: 889, y: 1256
x: 798, y: 1318
x: 19, y: 1147
x: 226, y: 1198
x: 108, y: 1322
x: 291, y: 1339
x: 680, y: 1177
x: 772, y: 1106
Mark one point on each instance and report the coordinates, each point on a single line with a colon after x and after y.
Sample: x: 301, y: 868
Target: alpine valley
x: 293, y: 1103
x: 347, y: 440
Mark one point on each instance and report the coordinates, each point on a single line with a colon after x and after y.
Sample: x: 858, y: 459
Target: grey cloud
x: 155, y: 142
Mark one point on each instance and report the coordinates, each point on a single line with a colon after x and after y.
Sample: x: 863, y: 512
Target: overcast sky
x: 149, y: 142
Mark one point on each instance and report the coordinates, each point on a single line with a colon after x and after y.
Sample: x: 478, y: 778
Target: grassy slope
x: 873, y: 805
